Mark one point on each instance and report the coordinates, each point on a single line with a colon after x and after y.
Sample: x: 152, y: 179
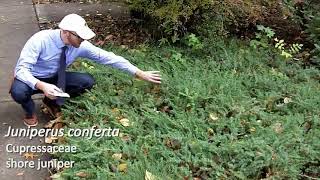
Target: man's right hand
x: 48, y: 89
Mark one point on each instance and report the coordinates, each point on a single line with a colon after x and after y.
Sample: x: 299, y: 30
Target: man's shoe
x: 52, y: 108
x: 31, y: 121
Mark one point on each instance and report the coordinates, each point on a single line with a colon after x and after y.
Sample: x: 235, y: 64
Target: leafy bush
x: 174, y: 18
x: 193, y: 41
x: 314, y: 31
x: 170, y: 16
x: 264, y: 38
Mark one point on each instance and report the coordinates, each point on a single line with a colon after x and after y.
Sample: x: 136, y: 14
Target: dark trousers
x: 76, y: 84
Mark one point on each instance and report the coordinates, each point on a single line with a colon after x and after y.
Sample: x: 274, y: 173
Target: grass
x: 224, y: 112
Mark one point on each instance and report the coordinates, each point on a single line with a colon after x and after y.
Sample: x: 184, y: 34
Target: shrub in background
x: 174, y: 18
x: 169, y: 16
x: 313, y: 28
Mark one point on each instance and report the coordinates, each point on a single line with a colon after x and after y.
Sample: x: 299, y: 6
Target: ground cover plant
x: 224, y: 110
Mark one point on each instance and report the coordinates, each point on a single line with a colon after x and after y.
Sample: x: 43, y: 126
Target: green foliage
x: 174, y: 18
x: 266, y: 30
x: 170, y: 16
x: 287, y: 53
x: 218, y: 115
x: 263, y: 37
x: 194, y: 42
x: 314, y: 35
x: 263, y: 40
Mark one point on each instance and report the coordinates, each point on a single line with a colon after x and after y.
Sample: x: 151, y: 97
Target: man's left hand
x: 151, y: 76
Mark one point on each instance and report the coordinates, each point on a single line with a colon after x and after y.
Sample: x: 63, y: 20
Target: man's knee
x: 78, y: 83
x: 20, y: 91
x: 88, y: 81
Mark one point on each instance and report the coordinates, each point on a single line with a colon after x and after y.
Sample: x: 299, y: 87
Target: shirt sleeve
x: 88, y: 50
x: 28, y: 57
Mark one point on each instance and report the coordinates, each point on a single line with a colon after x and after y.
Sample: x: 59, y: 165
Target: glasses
x: 76, y: 35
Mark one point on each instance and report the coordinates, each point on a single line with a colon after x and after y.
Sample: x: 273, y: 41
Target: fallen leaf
x: 186, y: 178
x: 50, y: 139
x: 149, y: 176
x: 100, y: 43
x: 52, y: 124
x: 62, y: 140
x: 274, y: 156
x: 166, y: 109
x: 213, y: 116
x: 115, y: 111
x: 109, y: 37
x: 82, y: 174
x: 287, y: 100
x: 44, y: 110
x: 210, y: 131
x: 174, y: 144
x: 56, y: 176
x: 252, y: 129
x: 124, y: 137
x: 58, y: 125
x: 145, y: 151
x: 20, y: 173
x: 277, y: 127
x: 119, y: 117
x: 123, y: 167
x: 259, y: 153
x: 125, y: 122
x: 117, y: 156
x: 30, y: 155
x: 124, y: 46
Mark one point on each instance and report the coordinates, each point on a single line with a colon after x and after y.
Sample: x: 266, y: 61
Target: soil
x: 74, y: 1
x: 124, y: 31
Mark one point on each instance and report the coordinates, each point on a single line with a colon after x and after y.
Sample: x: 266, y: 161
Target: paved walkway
x: 18, y: 21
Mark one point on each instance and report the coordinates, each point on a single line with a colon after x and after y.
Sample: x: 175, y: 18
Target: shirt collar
x: 57, y: 39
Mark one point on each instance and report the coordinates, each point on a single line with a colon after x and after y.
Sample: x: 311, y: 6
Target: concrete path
x: 12, y: 118
x: 18, y: 22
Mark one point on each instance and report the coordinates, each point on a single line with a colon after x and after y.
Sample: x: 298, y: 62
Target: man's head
x: 75, y: 30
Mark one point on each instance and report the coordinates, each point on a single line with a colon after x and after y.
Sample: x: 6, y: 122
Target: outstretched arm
x: 88, y: 50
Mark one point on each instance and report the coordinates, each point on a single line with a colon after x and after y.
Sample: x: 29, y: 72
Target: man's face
x: 74, y: 39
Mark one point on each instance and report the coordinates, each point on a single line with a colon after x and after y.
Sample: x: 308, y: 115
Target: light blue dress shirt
x: 40, y: 57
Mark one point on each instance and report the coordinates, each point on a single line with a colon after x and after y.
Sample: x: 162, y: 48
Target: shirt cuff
x: 132, y: 70
x: 33, y: 83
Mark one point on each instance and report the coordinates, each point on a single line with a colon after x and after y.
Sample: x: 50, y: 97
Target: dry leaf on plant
x: 125, y: 122
x: 213, y: 116
x: 123, y: 167
x: 56, y: 176
x: 82, y: 174
x: 117, y: 156
x: 149, y: 176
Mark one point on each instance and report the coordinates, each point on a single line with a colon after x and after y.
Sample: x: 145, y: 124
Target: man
x: 44, y: 58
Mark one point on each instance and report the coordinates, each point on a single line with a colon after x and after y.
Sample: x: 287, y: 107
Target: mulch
x: 65, y: 1
x: 124, y: 31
